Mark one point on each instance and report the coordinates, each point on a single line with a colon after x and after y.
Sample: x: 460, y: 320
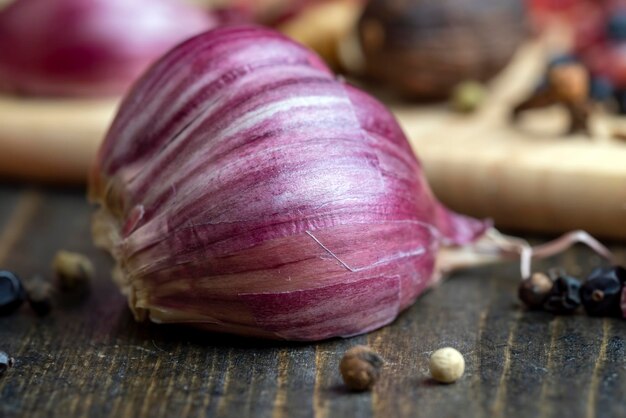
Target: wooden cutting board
x: 89, y: 358
x: 528, y: 176
x: 52, y: 141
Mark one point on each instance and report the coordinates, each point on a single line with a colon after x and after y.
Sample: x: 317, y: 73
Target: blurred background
x: 514, y: 106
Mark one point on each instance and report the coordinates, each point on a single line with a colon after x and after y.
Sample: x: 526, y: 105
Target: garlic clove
x: 244, y: 189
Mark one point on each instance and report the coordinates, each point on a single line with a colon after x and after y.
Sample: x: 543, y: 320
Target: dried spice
x: 564, y: 297
x: 6, y: 362
x: 73, y: 271
x: 617, y: 273
x: 39, y: 294
x: 360, y: 368
x: 602, y: 291
x: 534, y: 290
x: 447, y: 365
x: 566, y: 84
x: 12, y: 293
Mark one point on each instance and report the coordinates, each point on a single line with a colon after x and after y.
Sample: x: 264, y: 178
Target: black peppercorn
x: 534, y: 290
x: 6, y: 362
x: 564, y: 297
x: 39, y: 295
x: 616, y: 272
x: 11, y: 292
x: 360, y: 367
x: 601, y: 293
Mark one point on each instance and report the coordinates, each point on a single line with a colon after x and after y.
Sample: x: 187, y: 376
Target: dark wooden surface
x: 89, y: 357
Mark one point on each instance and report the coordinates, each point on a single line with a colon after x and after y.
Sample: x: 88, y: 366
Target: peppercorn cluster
x: 361, y: 367
x: 600, y: 294
x: 72, y: 271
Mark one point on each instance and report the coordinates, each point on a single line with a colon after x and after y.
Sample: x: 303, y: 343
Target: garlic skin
x: 244, y: 189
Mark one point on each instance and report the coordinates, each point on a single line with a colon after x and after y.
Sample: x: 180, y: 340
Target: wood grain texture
x: 90, y: 359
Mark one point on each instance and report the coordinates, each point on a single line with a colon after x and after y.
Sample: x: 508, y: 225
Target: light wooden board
x: 52, y: 141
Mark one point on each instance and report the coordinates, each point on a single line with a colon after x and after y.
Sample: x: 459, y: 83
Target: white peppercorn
x: 447, y: 365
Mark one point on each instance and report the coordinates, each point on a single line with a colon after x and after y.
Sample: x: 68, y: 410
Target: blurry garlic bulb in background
x: 89, y: 47
x: 425, y: 48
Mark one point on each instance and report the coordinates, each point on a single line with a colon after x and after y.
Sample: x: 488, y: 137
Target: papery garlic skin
x: 243, y: 188
x: 89, y: 48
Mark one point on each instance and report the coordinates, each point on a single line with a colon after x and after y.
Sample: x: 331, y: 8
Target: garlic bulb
x: 89, y: 47
x: 244, y: 189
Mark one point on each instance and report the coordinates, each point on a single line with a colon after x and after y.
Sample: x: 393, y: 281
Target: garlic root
x: 495, y: 247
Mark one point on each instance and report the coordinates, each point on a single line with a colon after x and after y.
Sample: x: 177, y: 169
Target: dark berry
x: 39, y: 295
x: 534, y: 290
x: 564, y: 297
x: 616, y: 26
x: 6, y: 362
x: 601, y: 89
x: 616, y: 272
x: 601, y: 293
x: 11, y: 292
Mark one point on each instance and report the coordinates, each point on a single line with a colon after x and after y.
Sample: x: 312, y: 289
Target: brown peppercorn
x: 567, y: 84
x: 73, y: 270
x: 360, y: 368
x: 570, y: 82
x: 534, y: 290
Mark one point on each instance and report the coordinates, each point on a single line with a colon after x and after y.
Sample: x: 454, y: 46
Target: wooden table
x: 89, y: 357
